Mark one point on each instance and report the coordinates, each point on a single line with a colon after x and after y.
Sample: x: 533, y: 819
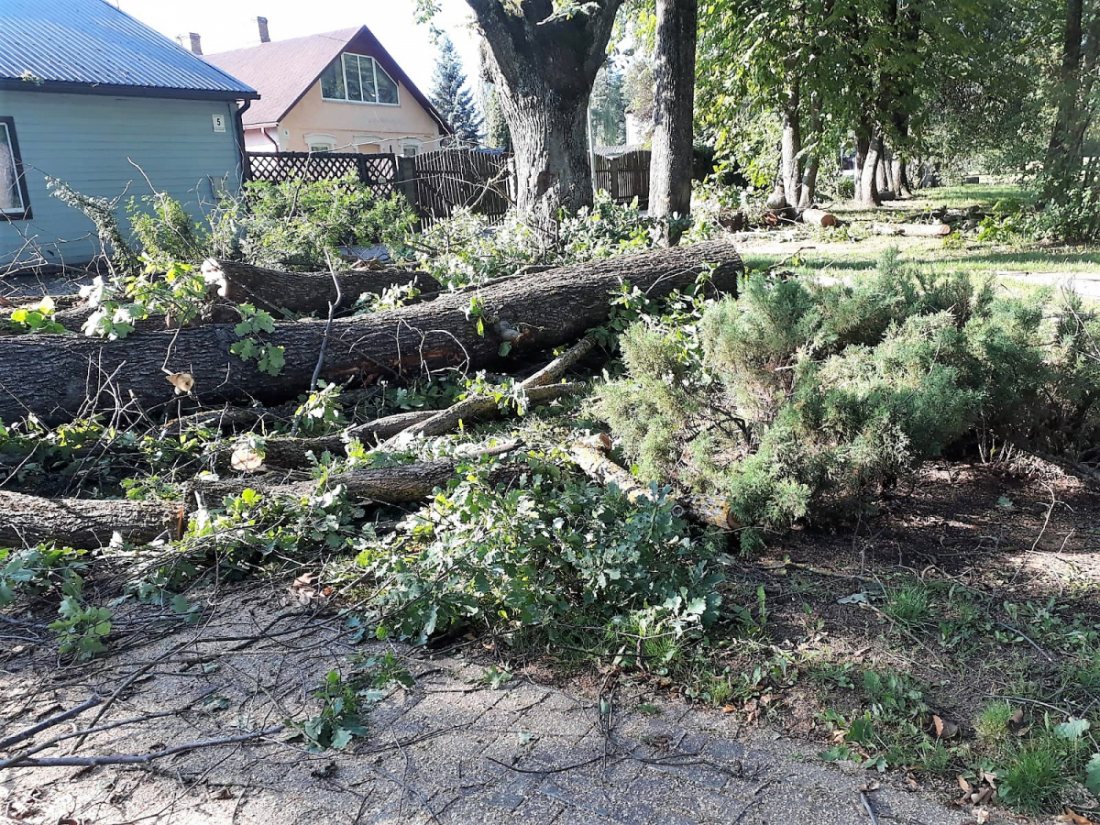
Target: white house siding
x: 87, y: 140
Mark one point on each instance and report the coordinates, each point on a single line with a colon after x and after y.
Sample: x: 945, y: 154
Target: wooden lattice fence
x: 379, y: 171
x: 437, y: 183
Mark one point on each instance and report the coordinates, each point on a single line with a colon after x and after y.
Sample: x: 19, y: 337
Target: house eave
x: 18, y: 84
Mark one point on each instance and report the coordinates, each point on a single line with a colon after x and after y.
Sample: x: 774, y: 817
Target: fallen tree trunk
x: 819, y: 217
x: 54, y: 377
x: 85, y: 523
x: 90, y: 523
x: 912, y: 230
x: 304, y: 293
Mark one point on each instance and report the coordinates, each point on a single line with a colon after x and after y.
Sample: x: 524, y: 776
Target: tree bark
x: 59, y: 376
x: 85, y: 523
x: 674, y: 113
x: 868, y: 174
x: 813, y: 165
x: 791, y: 144
x: 304, y: 293
x: 543, y: 65
x: 863, y: 148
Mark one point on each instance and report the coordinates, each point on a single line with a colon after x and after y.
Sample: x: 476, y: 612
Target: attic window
x: 14, y: 204
x: 357, y: 78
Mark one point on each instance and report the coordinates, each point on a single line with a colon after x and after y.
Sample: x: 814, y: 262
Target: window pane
x: 332, y: 82
x: 11, y: 199
x: 387, y: 89
x: 351, y: 69
x: 366, y: 71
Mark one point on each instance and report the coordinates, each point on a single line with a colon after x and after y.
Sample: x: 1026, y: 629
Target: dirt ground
x: 553, y: 746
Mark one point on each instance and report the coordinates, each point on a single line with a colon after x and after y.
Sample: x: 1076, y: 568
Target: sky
x: 230, y: 24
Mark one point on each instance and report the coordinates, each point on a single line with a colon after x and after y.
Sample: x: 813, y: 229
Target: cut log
x: 85, y: 523
x: 912, y: 230
x: 55, y: 376
x: 589, y: 455
x: 819, y: 217
x: 304, y: 293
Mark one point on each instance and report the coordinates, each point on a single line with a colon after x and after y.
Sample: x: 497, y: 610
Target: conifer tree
x: 451, y: 97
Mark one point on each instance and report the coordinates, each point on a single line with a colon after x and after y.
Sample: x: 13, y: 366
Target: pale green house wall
x: 88, y: 141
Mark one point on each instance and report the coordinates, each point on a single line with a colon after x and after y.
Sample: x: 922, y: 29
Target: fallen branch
x: 481, y: 406
x: 85, y: 523
x: 912, y: 230
x: 589, y: 455
x: 64, y: 716
x: 133, y: 759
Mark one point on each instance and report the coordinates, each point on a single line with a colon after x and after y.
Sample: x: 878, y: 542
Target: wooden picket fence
x: 437, y: 183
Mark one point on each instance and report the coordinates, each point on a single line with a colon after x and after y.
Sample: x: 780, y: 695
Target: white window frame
x: 320, y: 139
x: 11, y: 147
x: 375, y: 68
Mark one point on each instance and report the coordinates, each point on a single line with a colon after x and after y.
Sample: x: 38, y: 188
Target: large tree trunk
x: 304, y: 293
x: 813, y: 165
x: 863, y: 148
x: 543, y: 66
x: 791, y: 145
x: 868, y: 174
x: 59, y: 376
x: 673, y: 117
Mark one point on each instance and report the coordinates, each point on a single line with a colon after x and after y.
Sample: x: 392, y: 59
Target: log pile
x: 501, y: 324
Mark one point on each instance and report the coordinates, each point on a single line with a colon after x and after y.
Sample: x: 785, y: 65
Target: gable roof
x: 284, y: 70
x: 90, y: 46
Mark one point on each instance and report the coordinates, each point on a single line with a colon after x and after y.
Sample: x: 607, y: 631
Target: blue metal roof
x: 69, y: 44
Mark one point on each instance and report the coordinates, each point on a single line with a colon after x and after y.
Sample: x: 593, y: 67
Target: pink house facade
x: 334, y: 92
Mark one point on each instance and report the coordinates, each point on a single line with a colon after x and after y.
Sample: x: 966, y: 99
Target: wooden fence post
x: 405, y: 181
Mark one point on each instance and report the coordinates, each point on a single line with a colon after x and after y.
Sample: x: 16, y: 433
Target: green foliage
x: 340, y: 719
x: 808, y: 400
x: 37, y: 318
x: 451, y: 97
x: 36, y: 570
x: 532, y: 553
x: 80, y: 628
x: 466, y: 249
x: 175, y: 290
x: 300, y: 224
x: 269, y: 358
x: 165, y: 232
x: 321, y: 412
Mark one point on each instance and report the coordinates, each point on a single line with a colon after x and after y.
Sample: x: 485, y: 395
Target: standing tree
x: 673, y: 119
x: 608, y: 108
x: 497, y: 135
x: 543, y: 60
x: 451, y: 97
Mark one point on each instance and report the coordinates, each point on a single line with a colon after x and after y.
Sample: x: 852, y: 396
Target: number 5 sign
x: 219, y: 123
